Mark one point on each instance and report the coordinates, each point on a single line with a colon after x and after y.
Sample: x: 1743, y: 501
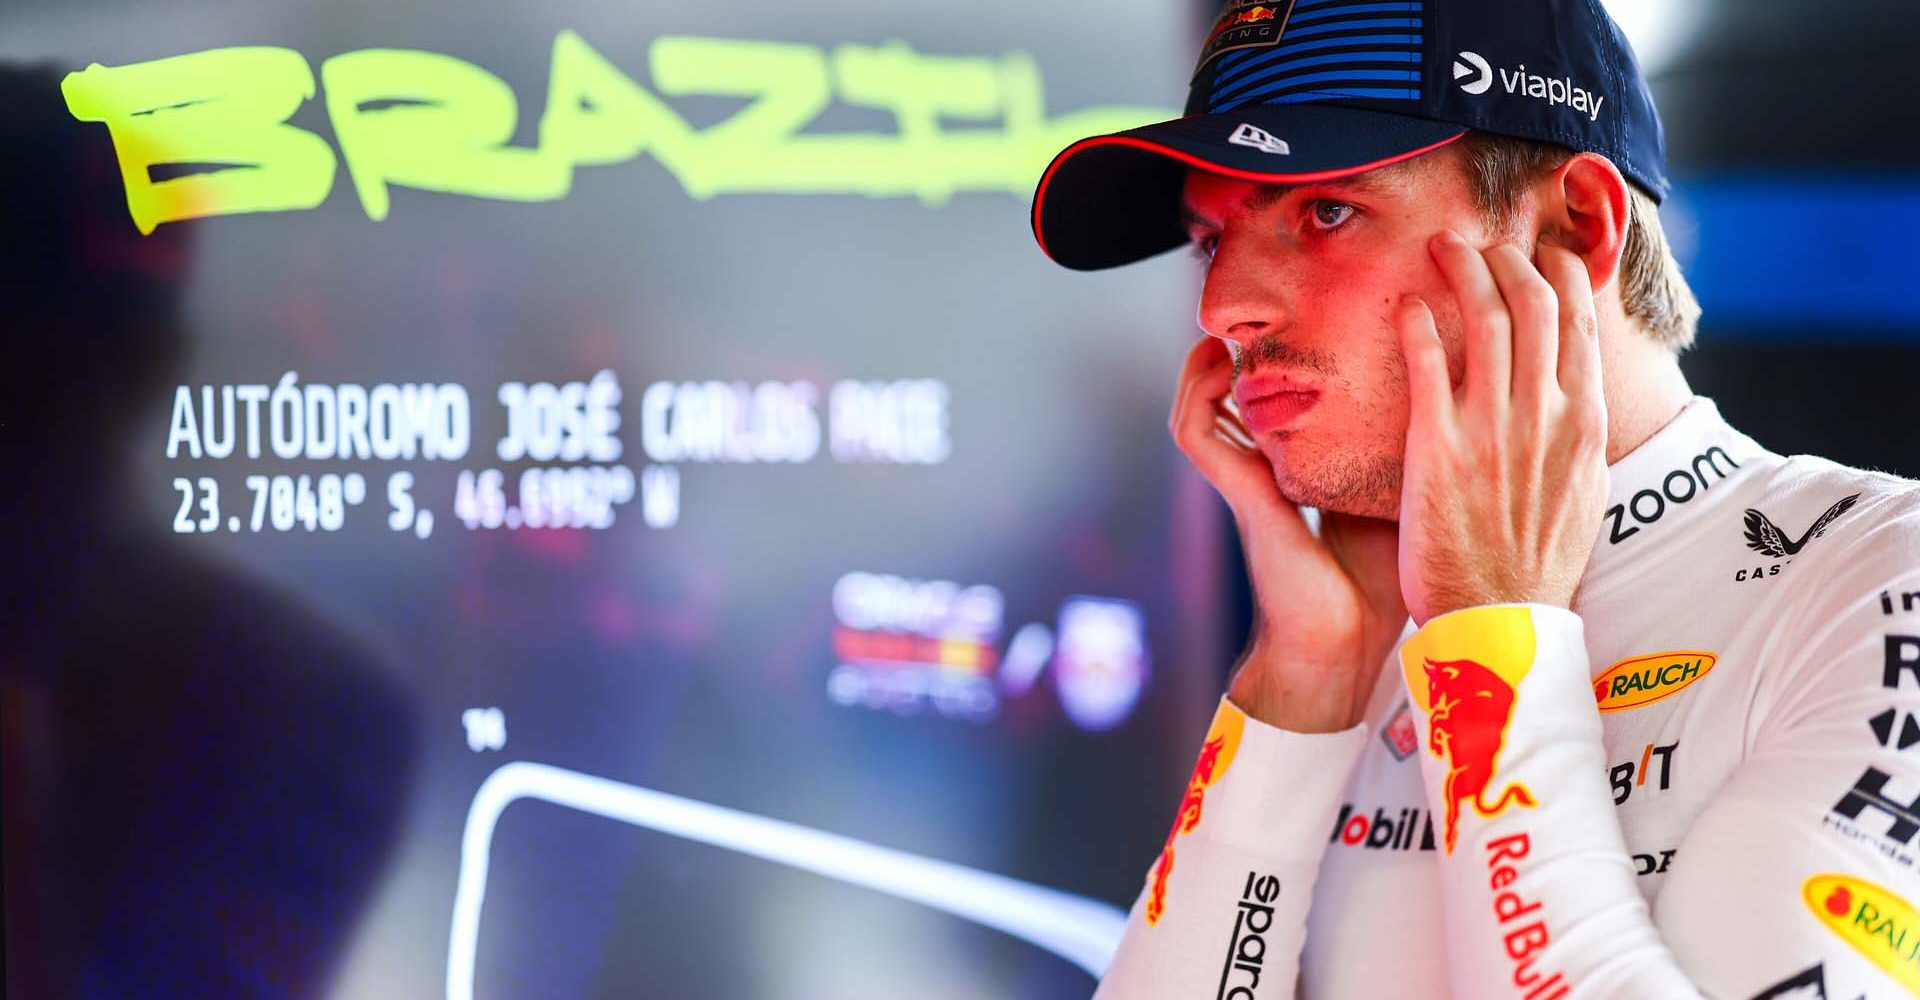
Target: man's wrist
x: 1298, y: 698
x: 1541, y: 596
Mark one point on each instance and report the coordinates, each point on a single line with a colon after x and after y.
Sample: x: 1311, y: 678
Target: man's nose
x: 1245, y: 294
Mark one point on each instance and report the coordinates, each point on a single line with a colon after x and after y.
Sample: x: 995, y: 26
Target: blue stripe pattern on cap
x: 1331, y: 49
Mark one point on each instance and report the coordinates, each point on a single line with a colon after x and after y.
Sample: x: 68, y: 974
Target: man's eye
x: 1330, y: 214
x: 1204, y: 246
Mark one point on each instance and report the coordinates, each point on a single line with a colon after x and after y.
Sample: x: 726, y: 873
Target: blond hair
x: 1653, y: 292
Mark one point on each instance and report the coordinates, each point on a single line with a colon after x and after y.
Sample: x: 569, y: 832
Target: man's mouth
x: 1273, y: 403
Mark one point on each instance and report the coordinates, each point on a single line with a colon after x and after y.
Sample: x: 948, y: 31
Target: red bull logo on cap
x: 1216, y: 755
x: 1464, y: 671
x: 1245, y: 24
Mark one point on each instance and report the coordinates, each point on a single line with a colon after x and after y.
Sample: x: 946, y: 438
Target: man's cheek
x: 1446, y: 322
x: 1453, y: 338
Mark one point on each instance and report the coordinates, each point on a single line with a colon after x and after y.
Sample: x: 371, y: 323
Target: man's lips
x: 1270, y: 403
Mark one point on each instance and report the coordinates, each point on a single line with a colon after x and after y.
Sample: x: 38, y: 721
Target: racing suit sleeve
x: 1766, y: 898
x: 1224, y: 908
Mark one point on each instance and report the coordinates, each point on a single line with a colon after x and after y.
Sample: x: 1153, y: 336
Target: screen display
x: 585, y: 500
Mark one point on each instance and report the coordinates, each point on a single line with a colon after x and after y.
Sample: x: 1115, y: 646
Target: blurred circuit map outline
x: 1081, y: 930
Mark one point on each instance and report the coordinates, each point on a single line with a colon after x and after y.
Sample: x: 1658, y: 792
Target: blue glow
x: 1779, y: 254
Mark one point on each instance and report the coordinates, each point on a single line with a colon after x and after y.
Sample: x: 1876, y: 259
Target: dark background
x: 235, y: 764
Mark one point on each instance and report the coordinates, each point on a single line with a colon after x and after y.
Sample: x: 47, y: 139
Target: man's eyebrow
x: 1270, y: 194
x: 1263, y: 198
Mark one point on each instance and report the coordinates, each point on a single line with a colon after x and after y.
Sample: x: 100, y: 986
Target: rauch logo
x: 1877, y: 923
x: 1643, y: 680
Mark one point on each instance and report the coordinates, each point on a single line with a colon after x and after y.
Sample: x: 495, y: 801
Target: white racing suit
x: 1702, y: 781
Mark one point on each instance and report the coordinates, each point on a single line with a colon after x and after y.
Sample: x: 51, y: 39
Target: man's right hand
x: 1328, y: 608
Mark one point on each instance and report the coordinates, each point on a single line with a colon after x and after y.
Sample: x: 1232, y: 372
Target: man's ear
x: 1584, y: 208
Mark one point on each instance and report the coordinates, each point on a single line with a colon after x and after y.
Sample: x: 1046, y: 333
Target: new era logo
x: 1260, y: 139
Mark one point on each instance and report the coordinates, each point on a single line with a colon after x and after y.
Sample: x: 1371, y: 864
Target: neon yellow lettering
x: 225, y: 107
x: 433, y: 122
x: 445, y: 130
x: 919, y: 90
x: 598, y: 114
x: 752, y: 150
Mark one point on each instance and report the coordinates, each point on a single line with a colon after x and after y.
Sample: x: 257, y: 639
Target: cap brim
x: 1114, y: 199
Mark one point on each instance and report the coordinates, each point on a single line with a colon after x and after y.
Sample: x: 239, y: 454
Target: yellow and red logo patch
x: 1644, y: 680
x: 1216, y: 755
x: 1463, y: 670
x: 1878, y: 924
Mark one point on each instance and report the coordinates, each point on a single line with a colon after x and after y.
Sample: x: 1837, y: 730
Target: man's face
x: 1302, y: 284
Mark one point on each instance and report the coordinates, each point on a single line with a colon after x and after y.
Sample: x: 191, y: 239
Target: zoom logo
x: 1472, y: 64
x: 1678, y: 487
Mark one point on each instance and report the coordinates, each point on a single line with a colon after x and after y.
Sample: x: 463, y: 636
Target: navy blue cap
x: 1294, y: 91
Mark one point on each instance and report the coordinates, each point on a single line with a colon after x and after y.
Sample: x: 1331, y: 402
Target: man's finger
x: 1242, y: 476
x: 1483, y: 314
x: 1231, y: 431
x: 1369, y: 550
x: 1531, y: 304
x: 1579, y: 361
x: 1205, y: 377
x: 1203, y: 355
x: 1429, y: 387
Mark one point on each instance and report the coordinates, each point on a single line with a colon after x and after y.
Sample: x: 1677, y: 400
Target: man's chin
x: 1361, y: 493
x: 1338, y: 505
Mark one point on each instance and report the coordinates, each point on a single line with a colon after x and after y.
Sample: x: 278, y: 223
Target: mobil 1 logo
x: 1676, y: 487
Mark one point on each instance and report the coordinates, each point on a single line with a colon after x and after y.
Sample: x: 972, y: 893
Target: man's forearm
x: 1532, y: 857
x: 1323, y: 701
x: 1225, y: 903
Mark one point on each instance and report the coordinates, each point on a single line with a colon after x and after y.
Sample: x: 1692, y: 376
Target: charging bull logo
x: 1245, y: 24
x: 1216, y: 755
x: 1471, y: 707
x: 1236, y: 15
x: 1463, y: 671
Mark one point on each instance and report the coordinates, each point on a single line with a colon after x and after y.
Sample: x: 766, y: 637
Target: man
x: 1663, y: 685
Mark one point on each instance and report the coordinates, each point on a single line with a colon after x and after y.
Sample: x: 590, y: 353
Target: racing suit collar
x: 1663, y: 490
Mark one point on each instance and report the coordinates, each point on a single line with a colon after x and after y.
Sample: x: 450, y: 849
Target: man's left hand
x: 1506, y: 475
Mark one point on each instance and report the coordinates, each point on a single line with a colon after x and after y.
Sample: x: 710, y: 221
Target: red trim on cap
x: 1191, y: 160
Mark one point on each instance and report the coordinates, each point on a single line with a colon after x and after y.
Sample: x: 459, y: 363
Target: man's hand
x: 1506, y: 475
x: 1327, y: 608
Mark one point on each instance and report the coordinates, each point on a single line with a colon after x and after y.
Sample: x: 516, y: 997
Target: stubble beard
x: 1339, y: 479
x: 1364, y: 486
